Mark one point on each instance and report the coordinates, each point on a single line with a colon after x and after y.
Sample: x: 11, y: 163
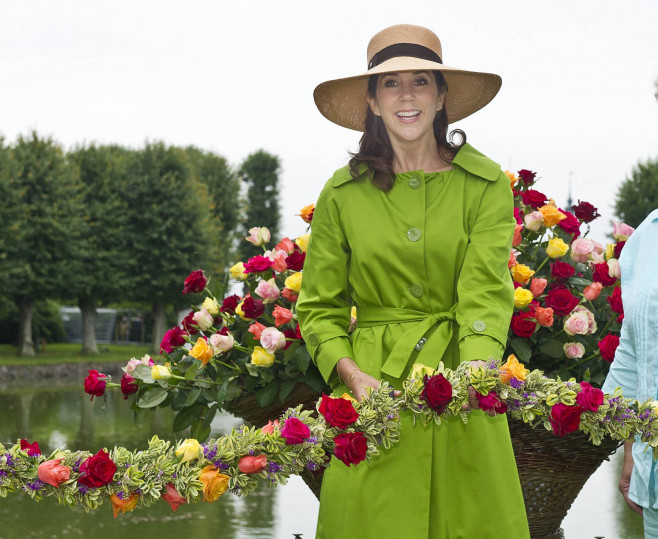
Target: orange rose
x: 551, y: 215
x: 512, y: 178
x: 306, y: 213
x: 119, y: 505
x: 517, y: 235
x: 543, y: 316
x: 202, y: 351
x: 250, y: 464
x: 512, y: 369
x: 270, y: 427
x: 521, y: 273
x: 214, y: 483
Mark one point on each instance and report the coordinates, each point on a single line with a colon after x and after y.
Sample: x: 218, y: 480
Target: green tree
x: 103, y: 245
x: 637, y: 196
x: 260, y: 172
x: 170, y: 232
x: 8, y: 211
x: 42, y: 256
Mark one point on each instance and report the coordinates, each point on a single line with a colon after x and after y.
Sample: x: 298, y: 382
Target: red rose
x: 258, y: 264
x: 437, y: 392
x: 289, y: 334
x: 601, y: 273
x: 561, y: 271
x: 523, y: 324
x: 350, y: 447
x: 338, y: 412
x: 189, y: 324
x: 97, y: 471
x: 608, y: 346
x: 195, y: 282
x: 533, y: 198
x: 618, y: 247
x: 564, y: 419
x: 298, y: 333
x: 614, y: 300
x: 585, y: 211
x: 561, y: 300
x: 32, y: 449
x: 95, y: 384
x: 252, y: 308
x: 295, y: 261
x: 526, y: 176
x: 518, y: 215
x: 230, y: 303
x: 570, y: 225
x: 491, y: 402
x: 174, y: 338
x: 224, y: 331
x: 295, y: 432
x: 172, y: 497
x: 589, y: 398
x: 128, y: 385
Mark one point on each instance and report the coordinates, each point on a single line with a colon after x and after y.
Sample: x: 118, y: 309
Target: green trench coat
x: 426, y: 260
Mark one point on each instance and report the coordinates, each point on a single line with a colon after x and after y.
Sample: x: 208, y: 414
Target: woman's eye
x: 389, y: 83
x: 420, y: 82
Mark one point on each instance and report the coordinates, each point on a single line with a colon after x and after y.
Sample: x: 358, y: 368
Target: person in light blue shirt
x: 635, y: 367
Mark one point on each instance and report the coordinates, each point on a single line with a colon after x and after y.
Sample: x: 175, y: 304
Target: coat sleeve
x: 323, y: 307
x: 485, y: 290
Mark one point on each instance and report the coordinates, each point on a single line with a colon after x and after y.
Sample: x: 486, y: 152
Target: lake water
x: 65, y: 416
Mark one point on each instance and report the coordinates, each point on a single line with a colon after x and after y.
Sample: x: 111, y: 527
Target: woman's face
x: 407, y: 103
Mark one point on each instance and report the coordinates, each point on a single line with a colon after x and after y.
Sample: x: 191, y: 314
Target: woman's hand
x: 356, y: 380
x: 473, y: 403
x: 625, y: 479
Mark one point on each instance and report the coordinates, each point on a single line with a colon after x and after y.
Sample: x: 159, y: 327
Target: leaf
x: 286, y: 388
x: 152, y: 397
x: 521, y: 349
x: 302, y: 359
x: 221, y: 394
x: 210, y: 414
x: 185, y: 418
x: 579, y: 281
x: 552, y: 349
x: 267, y: 395
x: 143, y: 373
x: 199, y: 431
x: 291, y: 350
x: 232, y: 393
x: 178, y: 402
x: 192, y: 370
x: 192, y: 397
x: 314, y: 381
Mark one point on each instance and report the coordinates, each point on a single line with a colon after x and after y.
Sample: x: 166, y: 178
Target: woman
x: 635, y: 368
x: 416, y: 233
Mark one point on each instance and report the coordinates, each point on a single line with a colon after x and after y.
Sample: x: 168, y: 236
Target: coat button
x: 413, y: 234
x: 313, y: 339
x: 416, y: 290
x: 414, y: 182
x: 479, y: 325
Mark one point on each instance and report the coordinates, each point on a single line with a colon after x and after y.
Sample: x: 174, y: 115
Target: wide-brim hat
x: 404, y: 47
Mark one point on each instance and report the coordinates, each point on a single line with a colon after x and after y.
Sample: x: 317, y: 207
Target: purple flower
x: 516, y: 383
x: 273, y: 467
x: 313, y: 466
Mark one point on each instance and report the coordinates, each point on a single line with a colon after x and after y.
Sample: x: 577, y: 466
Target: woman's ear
x: 440, y: 100
x: 372, y: 103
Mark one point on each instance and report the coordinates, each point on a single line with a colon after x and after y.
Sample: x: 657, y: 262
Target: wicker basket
x: 552, y: 471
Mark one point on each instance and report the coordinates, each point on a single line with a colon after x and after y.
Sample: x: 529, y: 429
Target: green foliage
x: 47, y: 323
x: 260, y: 172
x: 637, y: 196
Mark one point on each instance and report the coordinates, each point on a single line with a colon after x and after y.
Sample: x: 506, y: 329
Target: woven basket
x: 552, y: 471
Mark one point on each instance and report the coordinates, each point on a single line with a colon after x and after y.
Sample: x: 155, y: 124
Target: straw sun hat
x: 404, y: 47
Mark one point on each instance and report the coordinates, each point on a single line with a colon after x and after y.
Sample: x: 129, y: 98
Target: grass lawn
x: 70, y: 353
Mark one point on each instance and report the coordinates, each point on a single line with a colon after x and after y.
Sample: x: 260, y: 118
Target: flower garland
x: 352, y: 431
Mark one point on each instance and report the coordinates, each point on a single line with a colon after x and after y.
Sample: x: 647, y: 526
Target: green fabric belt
x: 433, y: 348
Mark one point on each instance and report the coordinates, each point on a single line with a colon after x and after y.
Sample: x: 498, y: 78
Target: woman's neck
x: 427, y: 159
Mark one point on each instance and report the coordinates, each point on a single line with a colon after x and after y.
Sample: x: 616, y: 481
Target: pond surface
x: 65, y: 416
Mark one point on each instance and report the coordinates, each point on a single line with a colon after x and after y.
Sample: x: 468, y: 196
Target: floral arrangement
x: 352, y: 431
x: 567, y: 299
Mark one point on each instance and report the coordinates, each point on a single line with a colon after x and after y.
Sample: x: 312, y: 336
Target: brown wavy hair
x: 375, y: 156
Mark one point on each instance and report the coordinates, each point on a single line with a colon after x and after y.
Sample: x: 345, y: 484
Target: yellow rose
x: 609, y: 251
x: 512, y: 369
x: 522, y: 298
x: 214, y: 483
x: 160, y: 372
x: 556, y: 248
x: 294, y: 282
x: 119, y: 505
x: 654, y: 406
x: 512, y: 178
x: 189, y: 449
x: 261, y: 357
x: 240, y: 312
x: 202, y: 351
x: 418, y: 371
x: 237, y: 272
x: 551, y: 215
x: 521, y: 273
x: 348, y: 397
x: 211, y: 305
x: 302, y: 242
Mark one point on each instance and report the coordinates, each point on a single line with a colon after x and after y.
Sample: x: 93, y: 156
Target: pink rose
x: 613, y: 268
x: 537, y: 286
x: 290, y: 295
x: 621, y: 231
x: 258, y: 236
x: 203, y: 319
x: 279, y: 258
x: 95, y: 383
x: 286, y: 244
x: 281, y: 315
x: 53, y: 473
x: 258, y: 264
x: 518, y: 238
x: 174, y: 338
x: 582, y: 249
x: 512, y: 258
x: 295, y: 432
x: 256, y: 329
x: 592, y: 291
x: 272, y: 340
x: 32, y: 449
x: 222, y: 343
x: 533, y: 221
x: 589, y: 398
x: 172, y: 497
x: 128, y: 385
x: 133, y: 363
x: 576, y: 324
x: 268, y: 290
x: 250, y: 464
x: 574, y: 350
x: 491, y: 401
x: 270, y: 427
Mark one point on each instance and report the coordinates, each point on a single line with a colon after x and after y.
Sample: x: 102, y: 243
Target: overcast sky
x: 577, y: 98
